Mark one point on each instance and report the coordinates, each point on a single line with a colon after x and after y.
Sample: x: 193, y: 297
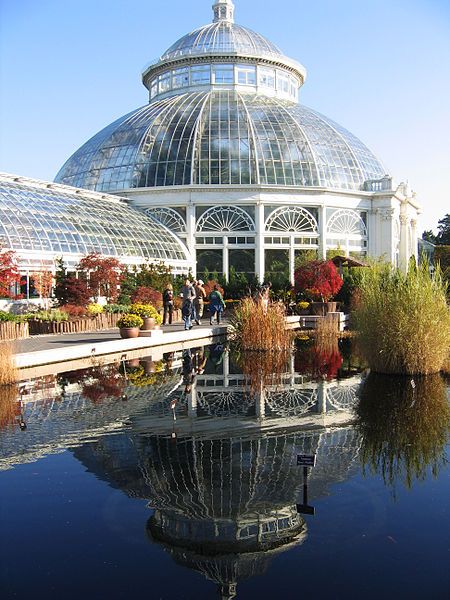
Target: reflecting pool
x: 182, y: 477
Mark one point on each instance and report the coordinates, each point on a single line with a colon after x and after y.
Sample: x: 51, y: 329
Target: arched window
x: 346, y: 222
x: 295, y: 219
x: 168, y: 217
x: 224, y: 219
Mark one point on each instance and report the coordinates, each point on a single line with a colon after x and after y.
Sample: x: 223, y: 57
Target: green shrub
x: 116, y: 309
x: 403, y: 321
x: 54, y: 314
x: 6, y: 316
x: 130, y: 320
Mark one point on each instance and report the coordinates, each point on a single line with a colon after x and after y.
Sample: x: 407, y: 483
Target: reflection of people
x: 200, y: 360
x: 216, y: 304
x: 168, y: 304
x: 188, y: 370
x: 216, y: 354
x: 200, y: 295
x: 168, y: 360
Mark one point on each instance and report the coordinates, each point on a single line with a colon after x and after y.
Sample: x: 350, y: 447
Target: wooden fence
x: 84, y: 325
x: 10, y: 331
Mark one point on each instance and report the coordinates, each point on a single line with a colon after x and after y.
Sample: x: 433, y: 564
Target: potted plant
x: 149, y: 315
x: 320, y: 281
x: 302, y: 307
x: 129, y: 326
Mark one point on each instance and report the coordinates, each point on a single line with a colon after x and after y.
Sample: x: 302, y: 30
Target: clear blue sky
x: 380, y: 68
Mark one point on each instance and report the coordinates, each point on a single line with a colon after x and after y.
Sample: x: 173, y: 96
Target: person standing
x: 216, y: 304
x: 188, y: 295
x: 200, y: 295
x: 168, y: 304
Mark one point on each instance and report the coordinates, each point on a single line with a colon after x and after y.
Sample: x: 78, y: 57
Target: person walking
x: 168, y: 304
x: 187, y: 308
x: 200, y: 296
x: 216, y: 304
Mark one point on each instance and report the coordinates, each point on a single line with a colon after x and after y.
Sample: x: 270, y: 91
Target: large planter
x: 323, y: 308
x: 149, y: 324
x: 129, y: 332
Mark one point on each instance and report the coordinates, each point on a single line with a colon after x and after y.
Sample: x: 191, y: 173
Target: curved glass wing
x: 46, y: 219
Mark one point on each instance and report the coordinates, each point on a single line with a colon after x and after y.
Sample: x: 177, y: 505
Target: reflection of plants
x: 139, y: 378
x: 263, y: 368
x: 9, y: 405
x: 102, y: 383
x: 321, y: 360
x: 404, y: 428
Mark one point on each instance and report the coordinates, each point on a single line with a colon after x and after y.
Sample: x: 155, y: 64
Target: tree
x: 9, y: 273
x: 443, y: 236
x: 103, y: 274
x: 318, y: 279
x: 429, y: 236
x: 69, y: 289
x: 43, y: 284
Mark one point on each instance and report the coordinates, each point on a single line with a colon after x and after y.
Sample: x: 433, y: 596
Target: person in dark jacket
x: 168, y: 304
x: 216, y: 304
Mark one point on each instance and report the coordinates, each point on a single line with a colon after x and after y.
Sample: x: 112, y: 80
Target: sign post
x: 306, y: 461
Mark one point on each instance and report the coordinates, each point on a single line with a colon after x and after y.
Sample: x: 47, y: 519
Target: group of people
x: 194, y: 297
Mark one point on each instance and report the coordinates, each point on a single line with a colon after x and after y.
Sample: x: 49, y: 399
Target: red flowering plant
x: 318, y: 280
x: 9, y: 274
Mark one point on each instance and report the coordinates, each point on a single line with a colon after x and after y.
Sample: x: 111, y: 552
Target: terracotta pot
x: 129, y: 332
x: 319, y: 308
x: 149, y: 323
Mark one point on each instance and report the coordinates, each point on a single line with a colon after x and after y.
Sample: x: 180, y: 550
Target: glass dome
x: 222, y: 37
x: 222, y: 137
x: 47, y: 220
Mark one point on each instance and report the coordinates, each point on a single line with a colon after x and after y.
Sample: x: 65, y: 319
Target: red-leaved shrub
x: 318, y: 279
x: 147, y: 295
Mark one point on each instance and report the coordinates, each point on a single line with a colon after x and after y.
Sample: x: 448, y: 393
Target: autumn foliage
x: 104, y: 275
x: 318, y: 279
x: 9, y: 274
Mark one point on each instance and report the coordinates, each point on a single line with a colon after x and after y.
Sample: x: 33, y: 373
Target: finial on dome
x: 223, y: 11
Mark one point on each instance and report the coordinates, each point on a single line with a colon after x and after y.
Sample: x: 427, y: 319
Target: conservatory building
x: 226, y: 157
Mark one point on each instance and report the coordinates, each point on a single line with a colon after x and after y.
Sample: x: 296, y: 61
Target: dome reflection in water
x: 210, y: 444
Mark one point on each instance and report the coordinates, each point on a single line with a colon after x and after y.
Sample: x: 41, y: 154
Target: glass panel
x: 164, y: 83
x: 200, y: 75
x: 180, y: 78
x: 246, y: 75
x: 266, y: 77
x: 223, y: 74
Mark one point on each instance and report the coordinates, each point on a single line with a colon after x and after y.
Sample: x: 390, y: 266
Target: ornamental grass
x: 259, y: 328
x: 8, y: 405
x: 8, y: 371
x: 404, y: 426
x: 403, y: 321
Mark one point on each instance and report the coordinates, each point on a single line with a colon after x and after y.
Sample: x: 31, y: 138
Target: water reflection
x: 211, y: 442
x: 404, y: 425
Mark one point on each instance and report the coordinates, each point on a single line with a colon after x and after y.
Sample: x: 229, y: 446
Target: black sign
x: 304, y: 509
x: 306, y: 460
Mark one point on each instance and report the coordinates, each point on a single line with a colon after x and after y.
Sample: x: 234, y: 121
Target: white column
x: 404, y: 254
x: 414, y: 251
x: 322, y: 397
x: 291, y: 258
x: 226, y: 368
x: 259, y: 242
x: 323, y: 232
x: 190, y: 230
x: 225, y: 258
